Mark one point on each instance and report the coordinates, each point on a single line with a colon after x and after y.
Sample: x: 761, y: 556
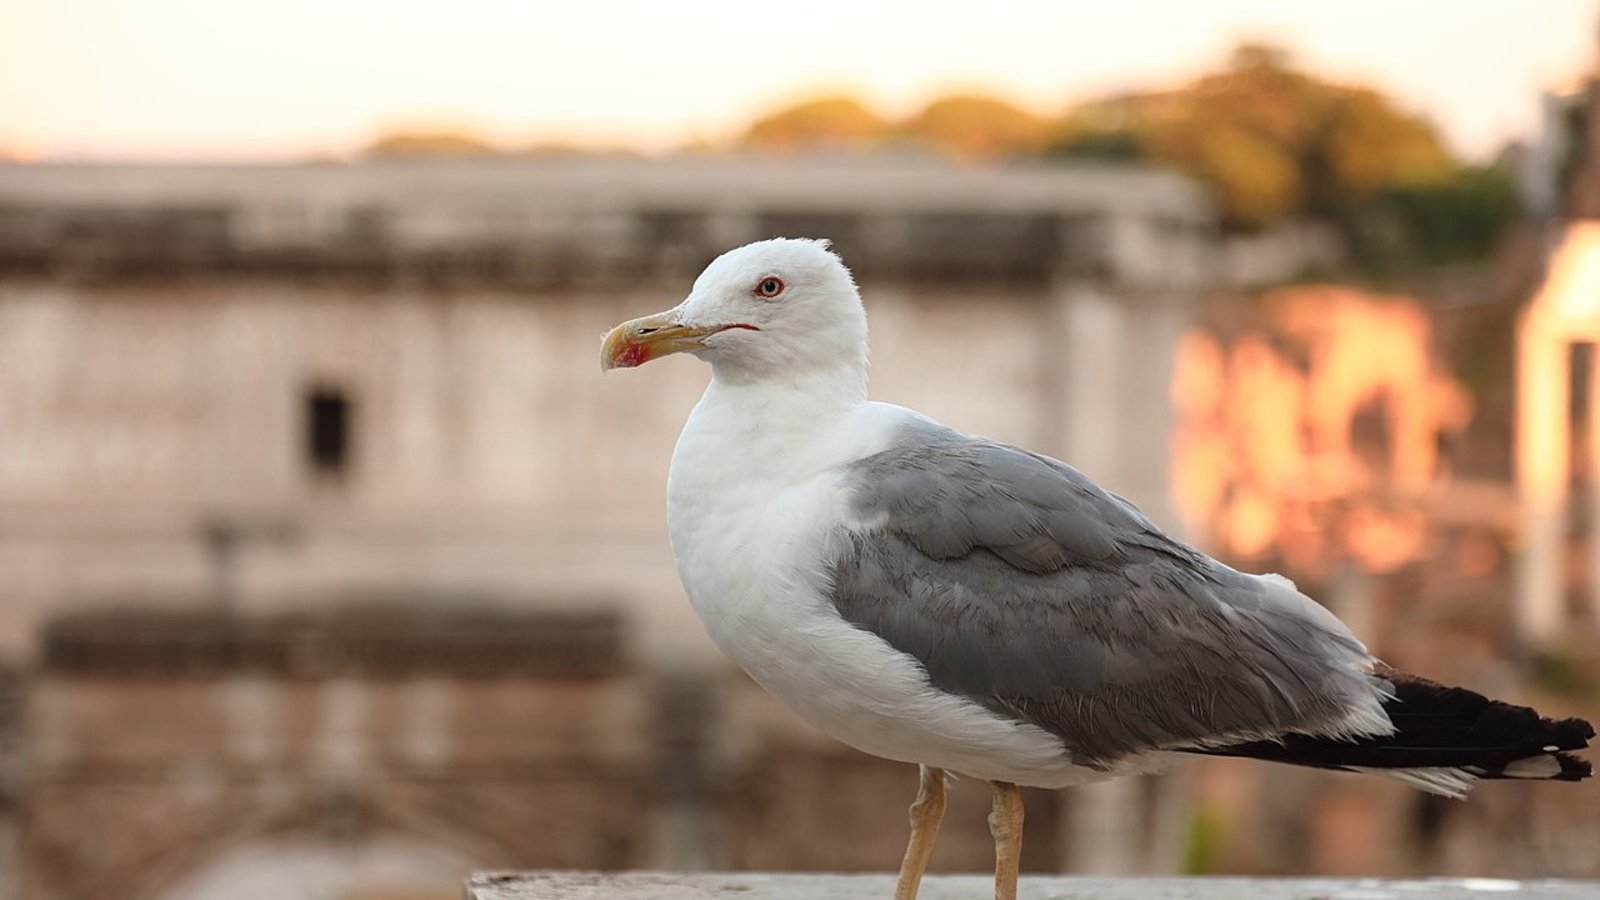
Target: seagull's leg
x: 1005, y: 823
x: 926, y: 813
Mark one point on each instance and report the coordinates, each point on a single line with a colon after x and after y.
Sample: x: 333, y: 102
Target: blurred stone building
x: 331, y: 563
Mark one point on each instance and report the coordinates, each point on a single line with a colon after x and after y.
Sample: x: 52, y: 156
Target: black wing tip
x: 1576, y: 731
x: 1441, y: 727
x: 1572, y: 768
x: 1572, y: 734
x: 1424, y: 704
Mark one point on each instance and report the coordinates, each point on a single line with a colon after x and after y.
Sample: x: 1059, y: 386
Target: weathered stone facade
x: 166, y: 742
x: 168, y: 338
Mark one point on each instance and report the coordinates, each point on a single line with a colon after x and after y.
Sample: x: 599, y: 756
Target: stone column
x: 1082, y: 416
x: 1104, y: 835
x: 1152, y: 327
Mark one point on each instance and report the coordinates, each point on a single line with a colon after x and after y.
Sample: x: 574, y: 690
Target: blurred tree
x: 1274, y: 141
x: 1368, y: 146
x: 976, y: 127
x: 1460, y: 217
x: 1258, y: 181
x: 427, y: 145
x: 831, y: 122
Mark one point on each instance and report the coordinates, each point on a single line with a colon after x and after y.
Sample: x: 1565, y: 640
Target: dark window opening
x: 327, y: 418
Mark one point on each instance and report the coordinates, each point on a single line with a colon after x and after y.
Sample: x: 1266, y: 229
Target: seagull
x: 937, y: 598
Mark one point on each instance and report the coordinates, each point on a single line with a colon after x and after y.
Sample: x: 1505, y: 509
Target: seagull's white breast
x: 751, y: 509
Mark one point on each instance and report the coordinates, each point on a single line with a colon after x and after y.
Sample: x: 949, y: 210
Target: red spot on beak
x: 632, y: 355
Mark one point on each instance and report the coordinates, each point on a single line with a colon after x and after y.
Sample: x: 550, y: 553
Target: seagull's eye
x: 769, y: 287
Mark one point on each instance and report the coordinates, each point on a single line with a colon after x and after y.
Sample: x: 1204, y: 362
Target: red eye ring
x: 769, y: 287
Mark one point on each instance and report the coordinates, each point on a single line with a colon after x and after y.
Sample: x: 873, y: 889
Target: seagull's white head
x: 776, y: 310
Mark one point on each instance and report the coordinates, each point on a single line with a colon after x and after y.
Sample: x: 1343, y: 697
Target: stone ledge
x: 666, y: 886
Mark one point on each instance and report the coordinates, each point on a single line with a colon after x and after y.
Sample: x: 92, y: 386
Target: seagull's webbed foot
x: 1005, y: 823
x: 927, y: 811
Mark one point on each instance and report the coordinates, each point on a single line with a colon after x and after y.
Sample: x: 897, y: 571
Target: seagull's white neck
x: 820, y: 390
x: 766, y: 430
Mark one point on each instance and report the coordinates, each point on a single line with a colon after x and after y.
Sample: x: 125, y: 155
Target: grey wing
x: 1018, y: 583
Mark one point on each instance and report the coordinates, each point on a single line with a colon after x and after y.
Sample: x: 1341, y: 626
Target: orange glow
x: 1381, y: 540
x: 1315, y: 437
x: 1252, y: 523
x: 1199, y: 388
x: 1367, y: 350
x: 1268, y: 395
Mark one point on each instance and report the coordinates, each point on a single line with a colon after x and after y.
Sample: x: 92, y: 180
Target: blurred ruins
x: 332, y: 565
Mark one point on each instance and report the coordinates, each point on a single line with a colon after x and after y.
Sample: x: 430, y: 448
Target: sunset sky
x: 195, y: 79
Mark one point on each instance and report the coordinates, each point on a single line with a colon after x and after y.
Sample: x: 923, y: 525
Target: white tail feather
x: 1452, y: 781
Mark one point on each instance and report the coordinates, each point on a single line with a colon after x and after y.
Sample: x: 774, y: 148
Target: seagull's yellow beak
x: 636, y: 342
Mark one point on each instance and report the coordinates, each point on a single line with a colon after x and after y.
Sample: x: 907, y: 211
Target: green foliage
x: 1561, y: 674
x: 1274, y: 142
x: 1111, y: 146
x: 1204, y: 843
x: 1457, y: 218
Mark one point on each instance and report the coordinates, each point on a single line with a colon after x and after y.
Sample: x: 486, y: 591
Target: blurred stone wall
x: 170, y: 336
x: 163, y: 743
